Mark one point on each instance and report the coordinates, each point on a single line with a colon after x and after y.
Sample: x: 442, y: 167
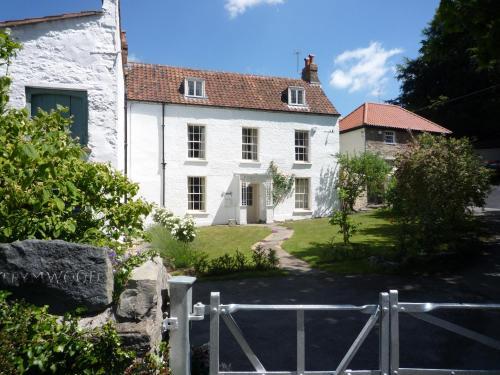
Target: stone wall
x: 375, y: 142
x: 66, y: 276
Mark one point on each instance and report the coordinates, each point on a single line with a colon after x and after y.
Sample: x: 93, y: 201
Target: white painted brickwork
x: 78, y: 54
x: 224, y: 164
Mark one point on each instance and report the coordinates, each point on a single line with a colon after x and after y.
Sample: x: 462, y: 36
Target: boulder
x: 139, y: 313
x: 60, y: 274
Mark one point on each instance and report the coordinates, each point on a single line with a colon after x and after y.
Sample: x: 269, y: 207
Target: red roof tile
x: 160, y: 83
x: 29, y: 21
x: 388, y: 116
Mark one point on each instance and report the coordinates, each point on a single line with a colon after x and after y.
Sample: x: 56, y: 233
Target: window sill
x: 390, y: 144
x: 195, y: 97
x: 196, y: 161
x: 301, y: 164
x: 250, y: 162
x: 302, y: 212
x: 197, y: 213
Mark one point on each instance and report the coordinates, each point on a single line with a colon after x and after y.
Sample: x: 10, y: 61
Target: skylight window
x: 296, y: 96
x: 194, y: 87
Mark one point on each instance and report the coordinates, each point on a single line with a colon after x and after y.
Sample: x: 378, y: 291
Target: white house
x: 200, y: 142
x: 75, y: 59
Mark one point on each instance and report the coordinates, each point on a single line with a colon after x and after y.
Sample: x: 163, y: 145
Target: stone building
x: 75, y: 60
x: 384, y: 129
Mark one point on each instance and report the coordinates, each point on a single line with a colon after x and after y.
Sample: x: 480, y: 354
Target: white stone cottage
x: 75, y: 59
x: 200, y: 142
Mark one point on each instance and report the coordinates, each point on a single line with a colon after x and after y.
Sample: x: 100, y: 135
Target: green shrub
x: 49, y: 191
x: 32, y: 342
x: 436, y: 182
x: 262, y: 259
x: 178, y: 254
x: 181, y: 229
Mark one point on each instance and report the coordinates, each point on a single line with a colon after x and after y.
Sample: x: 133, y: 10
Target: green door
x: 48, y: 100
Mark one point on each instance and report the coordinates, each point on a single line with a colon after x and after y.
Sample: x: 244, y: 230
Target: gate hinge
x: 170, y: 324
x: 198, y: 312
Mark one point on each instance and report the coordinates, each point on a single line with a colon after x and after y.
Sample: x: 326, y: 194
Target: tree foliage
x: 356, y: 174
x: 49, y: 191
x: 436, y: 182
x: 455, y: 81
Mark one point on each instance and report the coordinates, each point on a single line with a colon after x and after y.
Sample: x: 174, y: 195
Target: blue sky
x: 357, y: 43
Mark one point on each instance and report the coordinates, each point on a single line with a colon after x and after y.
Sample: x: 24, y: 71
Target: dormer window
x: 296, y: 96
x: 194, y: 87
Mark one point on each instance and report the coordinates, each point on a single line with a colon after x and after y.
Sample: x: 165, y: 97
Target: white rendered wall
x: 78, y: 54
x: 223, y: 156
x: 353, y: 142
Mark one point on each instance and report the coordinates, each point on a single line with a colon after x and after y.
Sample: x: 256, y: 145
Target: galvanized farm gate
x: 385, y: 313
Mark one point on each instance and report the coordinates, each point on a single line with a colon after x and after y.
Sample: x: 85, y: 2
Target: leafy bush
x: 49, y: 191
x: 32, y: 342
x: 358, y: 173
x: 436, y: 182
x: 181, y: 229
x: 177, y: 253
x: 262, y: 259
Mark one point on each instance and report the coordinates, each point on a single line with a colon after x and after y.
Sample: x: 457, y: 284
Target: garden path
x: 286, y: 261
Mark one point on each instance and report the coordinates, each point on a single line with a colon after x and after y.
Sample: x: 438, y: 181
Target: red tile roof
x: 65, y: 16
x: 160, y: 83
x: 388, y: 116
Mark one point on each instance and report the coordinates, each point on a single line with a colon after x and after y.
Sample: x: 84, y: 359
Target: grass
x: 319, y: 243
x: 220, y: 240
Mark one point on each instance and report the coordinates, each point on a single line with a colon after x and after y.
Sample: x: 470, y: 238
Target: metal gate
x: 385, y: 313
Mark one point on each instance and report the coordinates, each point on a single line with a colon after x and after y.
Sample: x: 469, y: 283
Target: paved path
x: 286, y: 261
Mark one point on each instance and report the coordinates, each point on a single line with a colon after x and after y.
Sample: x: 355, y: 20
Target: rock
x: 96, y: 321
x: 60, y: 274
x: 139, y: 309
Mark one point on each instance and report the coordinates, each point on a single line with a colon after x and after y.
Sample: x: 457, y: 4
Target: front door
x: 253, y: 204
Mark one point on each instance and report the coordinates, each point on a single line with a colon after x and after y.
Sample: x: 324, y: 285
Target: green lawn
x: 220, y: 240
x: 319, y: 243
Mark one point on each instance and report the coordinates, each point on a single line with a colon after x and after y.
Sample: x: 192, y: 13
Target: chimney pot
x: 310, y: 71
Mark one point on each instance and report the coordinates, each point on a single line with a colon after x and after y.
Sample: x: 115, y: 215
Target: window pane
x: 249, y: 145
x: 196, y: 141
x: 300, y: 97
x: 301, y: 145
x: 190, y: 87
x: 294, y: 96
x: 199, y: 86
x: 302, y: 193
x: 196, y: 193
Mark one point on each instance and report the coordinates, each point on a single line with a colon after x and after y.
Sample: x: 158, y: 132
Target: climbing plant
x: 282, y: 183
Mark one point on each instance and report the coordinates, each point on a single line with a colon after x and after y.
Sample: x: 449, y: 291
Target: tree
x: 455, y: 81
x: 436, y: 182
x: 47, y: 188
x: 358, y: 173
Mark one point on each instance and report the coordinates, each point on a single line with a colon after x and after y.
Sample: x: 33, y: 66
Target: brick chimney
x: 310, y: 71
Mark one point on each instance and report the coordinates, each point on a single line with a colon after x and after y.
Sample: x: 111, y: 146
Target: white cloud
x: 133, y: 57
x: 363, y: 69
x: 237, y: 7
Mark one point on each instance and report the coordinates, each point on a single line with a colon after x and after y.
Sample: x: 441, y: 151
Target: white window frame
x: 296, y: 102
x: 194, y: 204
x: 250, y: 144
x: 302, y: 193
x: 302, y: 151
x: 196, y: 82
x: 389, y: 133
x: 202, y: 135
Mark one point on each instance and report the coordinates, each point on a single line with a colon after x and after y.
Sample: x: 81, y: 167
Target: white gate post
x: 178, y: 321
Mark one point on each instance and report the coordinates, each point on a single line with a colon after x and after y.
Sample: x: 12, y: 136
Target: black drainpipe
x: 163, y: 164
x: 125, y: 139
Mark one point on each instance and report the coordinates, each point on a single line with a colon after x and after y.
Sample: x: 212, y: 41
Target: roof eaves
x: 57, y: 17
